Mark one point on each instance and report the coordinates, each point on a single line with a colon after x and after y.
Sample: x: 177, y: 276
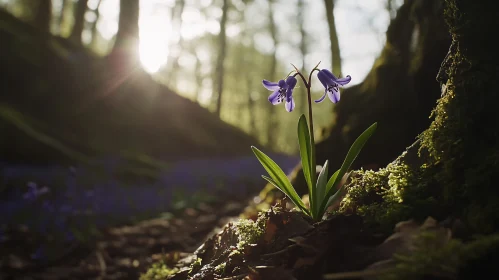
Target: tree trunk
x: 127, y: 38
x: 272, y: 125
x: 251, y: 106
x: 219, y: 70
x: 79, y: 21
x: 43, y: 15
x: 333, y: 38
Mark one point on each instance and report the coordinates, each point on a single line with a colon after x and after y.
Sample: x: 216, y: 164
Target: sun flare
x: 153, y: 45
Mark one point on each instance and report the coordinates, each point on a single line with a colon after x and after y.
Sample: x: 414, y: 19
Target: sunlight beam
x: 154, y: 31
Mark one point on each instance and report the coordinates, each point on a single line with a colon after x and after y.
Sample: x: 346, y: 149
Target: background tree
x: 79, y: 21
x: 219, y: 68
x: 43, y: 15
x: 272, y: 124
x: 127, y: 37
x: 333, y: 38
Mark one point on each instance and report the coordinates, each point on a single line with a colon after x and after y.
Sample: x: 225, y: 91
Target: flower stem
x: 311, y: 128
x: 308, y: 85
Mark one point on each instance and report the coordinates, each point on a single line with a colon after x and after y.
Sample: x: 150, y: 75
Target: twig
x: 102, y: 264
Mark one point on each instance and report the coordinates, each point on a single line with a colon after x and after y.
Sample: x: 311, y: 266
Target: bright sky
x: 360, y: 23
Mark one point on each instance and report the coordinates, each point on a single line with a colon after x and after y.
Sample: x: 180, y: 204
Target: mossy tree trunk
x: 453, y: 169
x: 463, y: 139
x: 398, y: 93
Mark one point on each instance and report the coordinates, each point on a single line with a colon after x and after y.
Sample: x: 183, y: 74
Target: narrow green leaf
x: 305, y: 210
x: 278, y: 176
x: 323, y: 197
x: 351, y: 156
x: 320, y: 188
x: 306, y: 155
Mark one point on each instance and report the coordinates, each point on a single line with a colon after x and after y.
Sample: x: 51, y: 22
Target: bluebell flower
x: 282, y: 90
x: 331, y: 85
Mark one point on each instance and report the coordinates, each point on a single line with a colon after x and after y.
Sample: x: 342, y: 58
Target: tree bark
x: 79, y: 21
x: 222, y: 45
x: 43, y: 15
x: 333, y: 38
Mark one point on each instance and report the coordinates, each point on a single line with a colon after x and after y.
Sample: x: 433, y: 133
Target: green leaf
x: 320, y: 188
x: 306, y: 155
x: 351, y: 156
x: 279, y: 178
x: 326, y: 188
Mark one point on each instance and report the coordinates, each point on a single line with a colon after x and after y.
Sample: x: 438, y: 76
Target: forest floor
x: 113, y: 231
x: 125, y: 252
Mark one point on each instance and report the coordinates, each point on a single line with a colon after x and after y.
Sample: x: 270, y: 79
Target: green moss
x: 196, y: 265
x: 249, y: 231
x: 158, y: 271
x: 220, y: 269
x: 392, y: 194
